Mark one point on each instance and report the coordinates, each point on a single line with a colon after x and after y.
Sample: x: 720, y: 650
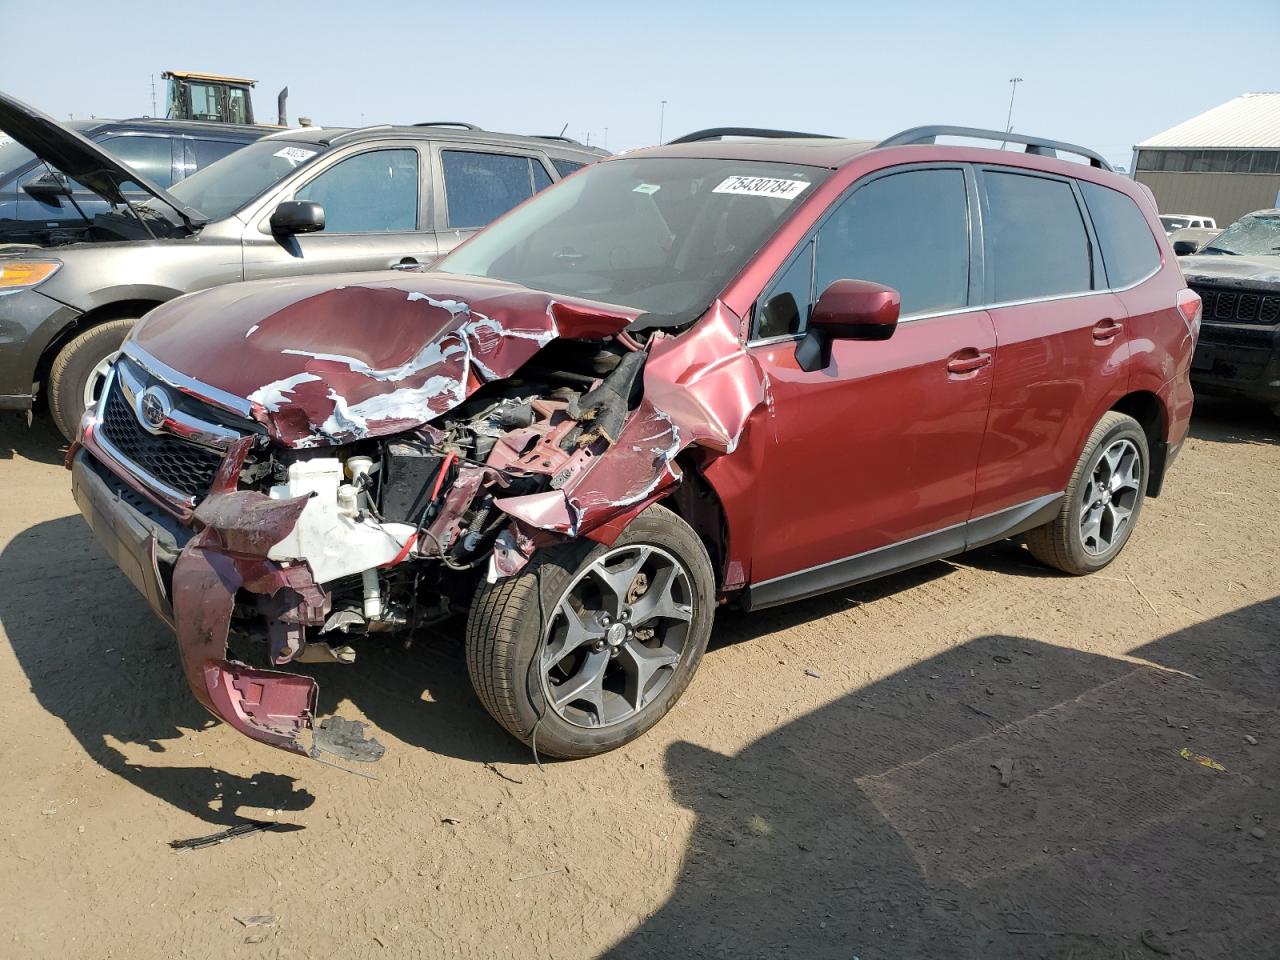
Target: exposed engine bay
x: 379, y: 506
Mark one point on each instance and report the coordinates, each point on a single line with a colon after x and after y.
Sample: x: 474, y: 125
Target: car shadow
x: 1006, y: 798
x: 40, y: 442
x: 98, y: 660
x: 1225, y: 420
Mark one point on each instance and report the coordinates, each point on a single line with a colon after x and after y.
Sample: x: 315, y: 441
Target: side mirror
x: 297, y: 216
x: 1184, y: 248
x: 49, y: 188
x: 848, y: 310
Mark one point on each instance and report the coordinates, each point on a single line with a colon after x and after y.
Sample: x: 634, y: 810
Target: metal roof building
x: 1223, y: 163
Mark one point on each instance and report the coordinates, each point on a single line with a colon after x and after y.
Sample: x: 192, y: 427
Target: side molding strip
x: 897, y: 557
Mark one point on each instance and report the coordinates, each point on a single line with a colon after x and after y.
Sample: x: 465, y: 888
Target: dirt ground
x: 993, y: 761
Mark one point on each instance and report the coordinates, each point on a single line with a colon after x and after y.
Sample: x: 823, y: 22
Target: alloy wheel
x: 1110, y: 497
x: 616, y: 636
x: 97, y: 377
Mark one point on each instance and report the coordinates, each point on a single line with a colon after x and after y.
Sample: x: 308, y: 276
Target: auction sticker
x: 762, y: 187
x: 295, y: 154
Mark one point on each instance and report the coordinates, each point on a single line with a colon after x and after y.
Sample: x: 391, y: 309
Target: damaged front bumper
x: 191, y: 582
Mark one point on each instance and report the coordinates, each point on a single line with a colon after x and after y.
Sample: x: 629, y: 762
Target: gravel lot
x: 992, y: 761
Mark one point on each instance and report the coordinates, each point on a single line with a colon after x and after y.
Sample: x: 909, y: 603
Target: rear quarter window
x: 1129, y: 250
x: 566, y: 167
x: 1035, y: 240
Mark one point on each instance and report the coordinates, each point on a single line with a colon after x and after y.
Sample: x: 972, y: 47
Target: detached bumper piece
x: 269, y: 706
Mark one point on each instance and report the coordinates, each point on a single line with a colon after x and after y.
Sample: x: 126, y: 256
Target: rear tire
x: 524, y: 659
x: 1103, y: 500
x: 76, y: 369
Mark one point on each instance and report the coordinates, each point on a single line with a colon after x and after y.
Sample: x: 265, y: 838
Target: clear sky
x: 1105, y: 74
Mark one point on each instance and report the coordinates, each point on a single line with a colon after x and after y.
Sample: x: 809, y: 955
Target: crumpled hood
x: 1216, y: 267
x: 331, y: 359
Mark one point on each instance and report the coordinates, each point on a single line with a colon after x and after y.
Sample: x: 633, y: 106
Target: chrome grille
x: 182, y: 466
x: 1239, y: 306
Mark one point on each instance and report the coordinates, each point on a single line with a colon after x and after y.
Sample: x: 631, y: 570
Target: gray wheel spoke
x: 1127, y: 477
x: 587, y: 683
x: 578, y: 629
x: 657, y: 602
x: 616, y: 579
x: 640, y: 663
x: 1089, y: 529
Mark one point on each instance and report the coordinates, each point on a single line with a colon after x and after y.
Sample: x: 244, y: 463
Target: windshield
x: 1174, y: 223
x: 1257, y: 235
x: 222, y: 188
x: 658, y: 234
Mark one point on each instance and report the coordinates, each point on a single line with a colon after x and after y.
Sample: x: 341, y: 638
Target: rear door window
x: 374, y: 192
x: 150, y: 156
x: 205, y: 152
x: 909, y: 231
x: 1035, y: 240
x: 1129, y: 251
x: 480, y: 187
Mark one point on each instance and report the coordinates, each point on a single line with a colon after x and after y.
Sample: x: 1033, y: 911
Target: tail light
x: 1189, y: 307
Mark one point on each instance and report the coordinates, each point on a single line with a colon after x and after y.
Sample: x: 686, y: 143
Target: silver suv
x: 302, y: 201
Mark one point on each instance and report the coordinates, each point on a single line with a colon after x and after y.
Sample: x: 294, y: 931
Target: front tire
x: 1103, y: 500
x: 592, y: 645
x: 76, y: 377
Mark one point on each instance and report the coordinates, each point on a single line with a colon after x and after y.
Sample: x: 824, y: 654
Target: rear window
x: 1129, y: 250
x: 1035, y: 241
x: 480, y: 187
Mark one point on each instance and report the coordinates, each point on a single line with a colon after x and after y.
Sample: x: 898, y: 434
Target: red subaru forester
x: 719, y: 371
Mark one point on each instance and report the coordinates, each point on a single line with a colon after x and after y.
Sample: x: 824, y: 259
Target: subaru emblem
x: 154, y: 407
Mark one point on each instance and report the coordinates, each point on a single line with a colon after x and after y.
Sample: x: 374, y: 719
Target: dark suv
x: 42, y: 206
x: 711, y: 372
x: 1237, y: 275
x: 299, y: 201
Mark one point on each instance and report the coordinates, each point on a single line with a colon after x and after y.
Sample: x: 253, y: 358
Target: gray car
x: 301, y: 201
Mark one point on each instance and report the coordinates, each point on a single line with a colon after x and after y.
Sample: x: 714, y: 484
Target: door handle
x: 967, y: 361
x: 407, y: 263
x: 1104, y: 331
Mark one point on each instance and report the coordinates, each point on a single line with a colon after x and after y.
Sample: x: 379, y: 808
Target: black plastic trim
x: 897, y: 557
x: 719, y: 133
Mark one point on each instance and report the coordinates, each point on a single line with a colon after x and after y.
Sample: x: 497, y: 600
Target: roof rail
x: 556, y: 137
x: 1036, y: 145
x: 461, y: 124
x: 718, y: 133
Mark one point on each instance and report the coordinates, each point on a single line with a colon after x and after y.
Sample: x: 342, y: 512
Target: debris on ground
x: 1201, y: 759
x: 451, y: 820
x: 813, y: 673
x: 1250, y: 740
x: 261, y: 920
x: 542, y: 873
x: 231, y: 833
x: 1005, y: 766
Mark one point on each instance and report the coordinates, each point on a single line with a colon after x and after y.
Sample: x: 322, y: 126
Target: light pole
x: 662, y: 118
x: 1013, y: 90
